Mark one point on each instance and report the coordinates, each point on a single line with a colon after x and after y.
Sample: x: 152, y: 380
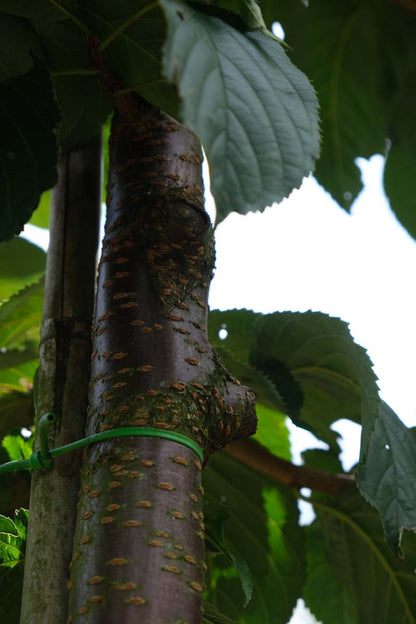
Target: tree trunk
x: 65, y: 351
x: 139, y: 544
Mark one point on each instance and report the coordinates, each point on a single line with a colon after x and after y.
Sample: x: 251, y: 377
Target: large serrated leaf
x: 329, y: 41
x: 216, y: 514
x: 83, y: 104
x: 266, y: 535
x: 381, y: 587
x: 400, y: 185
x: 235, y: 353
x: 362, y: 103
x: 28, y: 152
x: 133, y: 32
x: 253, y: 110
x: 337, y: 381
x: 387, y: 474
x: 334, y: 373
x: 18, y: 45
x: 335, y: 605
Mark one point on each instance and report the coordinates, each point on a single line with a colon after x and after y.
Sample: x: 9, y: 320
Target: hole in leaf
x: 307, y: 513
x: 278, y: 31
x: 223, y: 332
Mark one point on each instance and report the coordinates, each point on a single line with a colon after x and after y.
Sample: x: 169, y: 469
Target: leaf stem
x: 118, y: 31
x: 140, y: 85
x: 75, y: 72
x: 70, y: 15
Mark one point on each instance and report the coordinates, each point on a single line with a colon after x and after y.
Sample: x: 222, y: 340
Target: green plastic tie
x: 43, y: 459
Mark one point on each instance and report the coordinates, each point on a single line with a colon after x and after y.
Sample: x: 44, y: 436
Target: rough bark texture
x: 139, y: 545
x: 65, y: 351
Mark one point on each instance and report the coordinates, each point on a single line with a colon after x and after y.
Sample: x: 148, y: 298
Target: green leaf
x: 329, y: 41
x: 212, y: 615
x: 12, y: 549
x: 254, y: 112
x: 400, y: 185
x: 12, y: 539
x: 84, y: 106
x: 17, y: 447
x: 337, y: 381
x: 18, y: 44
x: 21, y: 263
x: 133, y: 32
x: 21, y: 519
x: 41, y: 10
x: 334, y: 373
x: 239, y: 325
x: 272, y: 431
x: 28, y: 153
x: 7, y: 526
x: 21, y: 316
x: 234, y: 352
x: 215, y: 515
x: 18, y: 378
x: 378, y: 586
x: 400, y: 63
x: 335, y: 605
x: 263, y: 530
x: 362, y: 103
x: 40, y: 217
x: 387, y: 474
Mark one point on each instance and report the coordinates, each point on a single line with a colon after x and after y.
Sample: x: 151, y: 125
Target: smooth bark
x: 252, y: 454
x: 65, y: 351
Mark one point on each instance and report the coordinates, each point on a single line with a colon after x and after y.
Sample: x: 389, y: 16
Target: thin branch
x: 255, y: 456
x: 118, y: 31
x: 75, y: 72
x: 407, y: 5
x: 70, y: 15
x: 140, y: 85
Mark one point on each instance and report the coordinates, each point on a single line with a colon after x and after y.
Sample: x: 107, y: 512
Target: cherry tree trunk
x: 139, y: 543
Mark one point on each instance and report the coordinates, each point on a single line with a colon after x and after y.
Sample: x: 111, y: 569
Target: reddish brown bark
x: 252, y: 454
x: 139, y: 545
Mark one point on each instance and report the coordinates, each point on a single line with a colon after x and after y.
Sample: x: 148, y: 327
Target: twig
x: 252, y: 454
